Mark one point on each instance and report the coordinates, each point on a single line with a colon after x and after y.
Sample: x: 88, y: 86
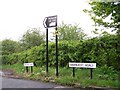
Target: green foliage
x: 103, y: 10
x: 103, y: 51
x: 10, y: 46
x: 70, y: 32
x: 81, y: 79
x: 31, y: 38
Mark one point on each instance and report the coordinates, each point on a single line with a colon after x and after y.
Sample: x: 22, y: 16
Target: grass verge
x: 81, y: 79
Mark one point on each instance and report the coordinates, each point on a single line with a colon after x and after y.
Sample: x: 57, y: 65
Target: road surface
x: 18, y: 83
x: 10, y: 83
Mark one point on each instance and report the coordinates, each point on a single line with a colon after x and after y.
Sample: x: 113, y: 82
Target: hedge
x: 101, y: 50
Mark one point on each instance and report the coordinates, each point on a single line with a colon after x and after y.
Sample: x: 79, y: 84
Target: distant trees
x: 31, y: 38
x: 10, y: 46
x: 70, y: 32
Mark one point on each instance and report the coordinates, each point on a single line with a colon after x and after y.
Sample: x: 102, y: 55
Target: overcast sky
x: 17, y: 16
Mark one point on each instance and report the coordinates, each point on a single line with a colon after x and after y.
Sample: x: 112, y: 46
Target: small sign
x: 82, y: 65
x: 28, y: 64
x: 50, y: 21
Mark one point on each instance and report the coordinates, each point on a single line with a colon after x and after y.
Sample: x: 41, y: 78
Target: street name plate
x: 28, y: 64
x: 82, y: 65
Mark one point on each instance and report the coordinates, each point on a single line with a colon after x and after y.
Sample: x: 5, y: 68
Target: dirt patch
x: 11, y: 74
x: 8, y: 72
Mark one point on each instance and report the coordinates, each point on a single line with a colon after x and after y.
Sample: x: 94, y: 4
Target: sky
x: 17, y: 16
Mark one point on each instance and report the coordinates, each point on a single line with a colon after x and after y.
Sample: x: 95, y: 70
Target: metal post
x: 56, y: 54
x: 91, y: 70
x: 27, y: 67
x: 46, y: 50
x: 31, y: 69
x: 73, y: 71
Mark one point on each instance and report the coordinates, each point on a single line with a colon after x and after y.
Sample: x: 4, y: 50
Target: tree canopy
x: 70, y: 32
x: 31, y: 38
x: 10, y: 46
x: 102, y: 10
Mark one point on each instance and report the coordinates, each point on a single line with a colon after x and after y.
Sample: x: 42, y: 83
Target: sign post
x: 56, y: 54
x: 83, y: 65
x: 47, y: 59
x: 73, y: 71
x: 29, y: 65
x: 91, y: 70
x: 49, y: 22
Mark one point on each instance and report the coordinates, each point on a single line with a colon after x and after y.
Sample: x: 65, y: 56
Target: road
x: 18, y: 83
x: 10, y: 83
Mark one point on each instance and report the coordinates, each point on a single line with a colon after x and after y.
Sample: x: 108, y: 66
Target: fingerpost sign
x: 49, y: 22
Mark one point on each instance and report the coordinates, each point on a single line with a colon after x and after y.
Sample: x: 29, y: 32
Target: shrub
x: 101, y: 50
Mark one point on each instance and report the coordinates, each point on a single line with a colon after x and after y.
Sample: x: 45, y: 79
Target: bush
x: 103, y: 51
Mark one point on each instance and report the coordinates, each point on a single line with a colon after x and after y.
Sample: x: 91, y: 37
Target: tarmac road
x: 18, y: 83
x: 12, y: 83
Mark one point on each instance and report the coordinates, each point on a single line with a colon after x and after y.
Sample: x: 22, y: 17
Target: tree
x: 70, y: 32
x: 32, y: 38
x: 103, y: 10
x: 10, y: 46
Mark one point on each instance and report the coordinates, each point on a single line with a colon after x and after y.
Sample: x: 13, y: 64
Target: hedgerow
x: 101, y: 50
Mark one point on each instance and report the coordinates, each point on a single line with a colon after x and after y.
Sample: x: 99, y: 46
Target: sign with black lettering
x: 50, y: 21
x: 28, y: 64
x: 82, y: 65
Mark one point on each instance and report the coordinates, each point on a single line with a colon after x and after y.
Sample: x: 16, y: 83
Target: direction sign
x: 50, y: 21
x: 82, y: 65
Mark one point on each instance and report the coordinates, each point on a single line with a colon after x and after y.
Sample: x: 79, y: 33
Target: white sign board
x: 28, y: 64
x: 50, y: 21
x: 82, y: 65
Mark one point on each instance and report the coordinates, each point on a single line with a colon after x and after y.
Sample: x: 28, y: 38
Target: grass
x: 81, y: 79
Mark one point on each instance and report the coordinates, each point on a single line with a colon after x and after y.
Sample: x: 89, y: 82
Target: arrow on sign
x: 50, y: 21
